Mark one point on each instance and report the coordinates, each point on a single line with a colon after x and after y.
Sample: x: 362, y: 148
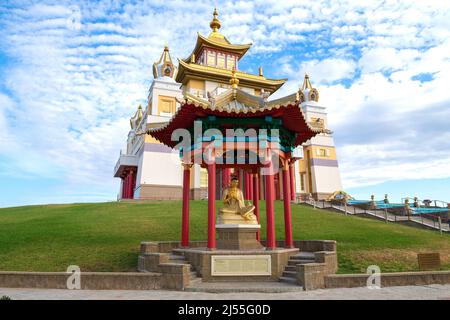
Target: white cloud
x: 75, y: 87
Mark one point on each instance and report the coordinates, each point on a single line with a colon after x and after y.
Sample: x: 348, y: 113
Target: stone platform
x: 238, y: 265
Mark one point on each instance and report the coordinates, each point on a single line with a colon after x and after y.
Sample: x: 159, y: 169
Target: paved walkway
x: 409, y: 292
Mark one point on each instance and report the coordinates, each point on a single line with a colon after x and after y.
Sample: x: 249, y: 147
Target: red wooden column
x: 250, y: 186
x: 123, y: 187
x: 126, y: 187
x: 292, y: 179
x: 270, y: 227
x: 288, y: 243
x: 226, y: 175
x: 131, y: 190
x: 212, y: 205
x: 256, y: 201
x: 185, y: 209
x: 246, y: 184
x: 276, y: 179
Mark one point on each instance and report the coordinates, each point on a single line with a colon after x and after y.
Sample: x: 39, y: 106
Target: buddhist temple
x: 208, y: 87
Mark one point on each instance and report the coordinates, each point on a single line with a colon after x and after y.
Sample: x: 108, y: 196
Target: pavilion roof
x: 237, y: 103
x: 189, y: 70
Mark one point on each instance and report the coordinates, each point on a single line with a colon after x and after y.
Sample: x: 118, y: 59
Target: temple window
x: 211, y: 58
x: 167, y: 71
x: 322, y: 152
x: 231, y: 61
x: 166, y: 105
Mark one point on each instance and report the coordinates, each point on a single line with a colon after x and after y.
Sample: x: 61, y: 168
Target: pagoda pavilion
x: 218, y: 98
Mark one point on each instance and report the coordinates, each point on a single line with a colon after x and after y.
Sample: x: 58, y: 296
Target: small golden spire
x: 215, y: 22
x: 260, y: 71
x: 193, y: 58
x: 166, y: 47
x: 234, y: 81
x: 139, y: 112
x: 306, y: 83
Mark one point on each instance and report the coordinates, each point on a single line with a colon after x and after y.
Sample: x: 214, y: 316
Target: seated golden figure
x: 235, y: 211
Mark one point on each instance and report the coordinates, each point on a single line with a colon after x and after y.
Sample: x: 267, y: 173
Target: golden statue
x: 235, y: 211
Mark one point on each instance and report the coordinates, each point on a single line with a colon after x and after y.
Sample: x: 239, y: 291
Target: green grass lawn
x: 106, y: 236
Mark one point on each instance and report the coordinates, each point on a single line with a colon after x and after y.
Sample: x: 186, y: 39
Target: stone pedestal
x: 238, y: 236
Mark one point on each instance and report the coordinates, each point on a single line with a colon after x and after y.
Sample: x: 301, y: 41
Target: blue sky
x: 73, y: 72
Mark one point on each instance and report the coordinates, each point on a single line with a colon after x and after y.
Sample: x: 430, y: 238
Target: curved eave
x: 291, y: 115
x: 223, y: 75
x: 239, y: 49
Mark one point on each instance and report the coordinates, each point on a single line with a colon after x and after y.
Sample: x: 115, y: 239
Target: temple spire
x: 215, y: 22
x: 307, y: 92
x: 306, y: 83
x: 164, y: 66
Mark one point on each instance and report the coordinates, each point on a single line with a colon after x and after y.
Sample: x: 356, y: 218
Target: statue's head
x: 234, y: 182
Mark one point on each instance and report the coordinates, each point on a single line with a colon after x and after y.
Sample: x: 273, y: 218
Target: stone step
x: 295, y: 262
x: 240, y: 287
x: 178, y: 261
x: 176, y: 257
x: 290, y: 274
x: 290, y: 268
x: 302, y: 258
x: 193, y: 274
x: 288, y: 280
x: 304, y: 254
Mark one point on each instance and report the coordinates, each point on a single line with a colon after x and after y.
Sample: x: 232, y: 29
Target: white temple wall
x: 326, y: 179
x: 159, y: 168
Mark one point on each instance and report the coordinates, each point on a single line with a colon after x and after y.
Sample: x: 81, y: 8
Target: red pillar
x: 123, y: 188
x: 292, y: 180
x: 212, y: 205
x: 131, y: 184
x: 270, y: 227
x: 277, y: 194
x: 245, y: 185
x: 127, y: 180
x: 256, y: 200
x: 226, y: 175
x: 185, y: 210
x: 250, y: 186
x: 288, y: 243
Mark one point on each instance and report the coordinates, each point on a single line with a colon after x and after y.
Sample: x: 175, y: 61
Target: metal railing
x: 435, y: 222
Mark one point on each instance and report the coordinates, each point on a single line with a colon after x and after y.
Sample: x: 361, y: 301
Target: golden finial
x: 215, y: 22
x: 193, y: 58
x: 166, y: 47
x: 306, y: 83
x: 234, y: 81
x: 139, y: 113
x: 260, y: 71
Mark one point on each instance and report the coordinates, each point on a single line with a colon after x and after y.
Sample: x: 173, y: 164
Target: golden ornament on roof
x: 234, y: 81
x: 215, y: 22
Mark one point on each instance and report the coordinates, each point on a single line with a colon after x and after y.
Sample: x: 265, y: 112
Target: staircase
x: 290, y: 274
x: 175, y: 257
x: 417, y: 220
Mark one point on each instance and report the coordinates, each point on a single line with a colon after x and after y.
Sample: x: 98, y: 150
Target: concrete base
x: 238, y: 236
